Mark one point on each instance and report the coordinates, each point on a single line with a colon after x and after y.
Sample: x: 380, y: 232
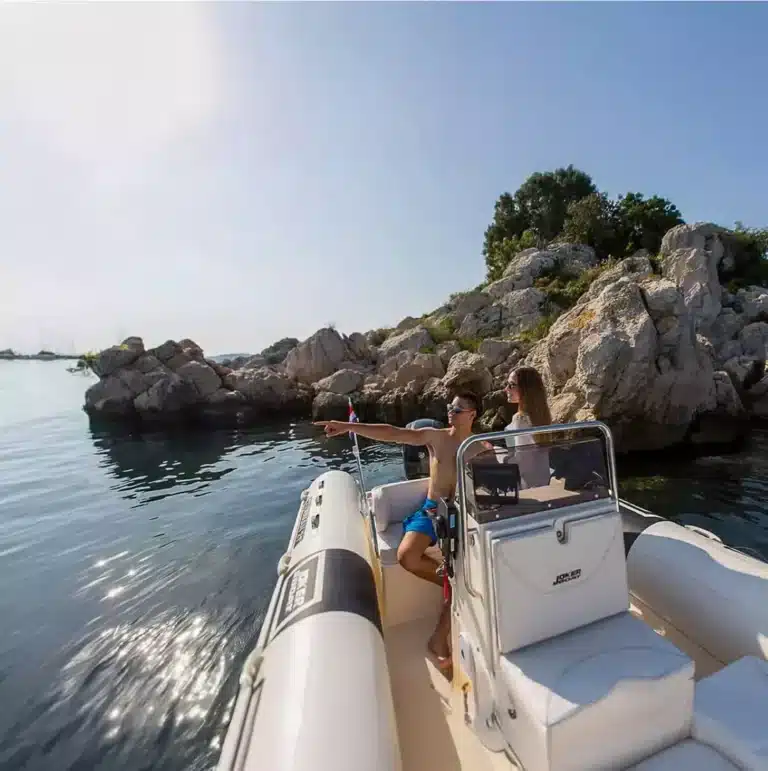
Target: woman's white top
x: 533, y: 463
x: 519, y: 421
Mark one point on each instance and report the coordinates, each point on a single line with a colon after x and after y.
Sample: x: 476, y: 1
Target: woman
x: 525, y: 388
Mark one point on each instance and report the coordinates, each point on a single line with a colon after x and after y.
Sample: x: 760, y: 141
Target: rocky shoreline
x: 654, y: 345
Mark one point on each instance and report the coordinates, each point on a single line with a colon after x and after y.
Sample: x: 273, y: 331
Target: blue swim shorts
x: 420, y: 521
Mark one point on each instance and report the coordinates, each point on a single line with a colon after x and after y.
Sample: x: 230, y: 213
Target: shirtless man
x: 418, y: 530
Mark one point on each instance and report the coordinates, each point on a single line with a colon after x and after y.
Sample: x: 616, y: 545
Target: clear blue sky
x: 238, y: 172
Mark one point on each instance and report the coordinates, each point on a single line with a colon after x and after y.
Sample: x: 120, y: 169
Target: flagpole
x: 356, y: 453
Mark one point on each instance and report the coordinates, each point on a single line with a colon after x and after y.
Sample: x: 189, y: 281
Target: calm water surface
x: 135, y: 571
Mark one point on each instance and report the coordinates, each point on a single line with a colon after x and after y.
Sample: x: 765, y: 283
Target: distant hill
x: 221, y: 356
x: 273, y: 354
x: 8, y: 354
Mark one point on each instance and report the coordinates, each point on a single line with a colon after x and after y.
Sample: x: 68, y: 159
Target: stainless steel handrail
x: 635, y: 508
x: 557, y: 428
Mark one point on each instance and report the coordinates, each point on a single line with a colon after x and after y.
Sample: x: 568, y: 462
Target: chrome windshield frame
x: 613, y: 487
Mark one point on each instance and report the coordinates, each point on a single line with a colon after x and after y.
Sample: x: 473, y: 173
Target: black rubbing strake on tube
x: 330, y: 580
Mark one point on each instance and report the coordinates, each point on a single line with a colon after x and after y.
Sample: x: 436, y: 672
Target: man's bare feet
x: 439, y: 648
x: 439, y: 643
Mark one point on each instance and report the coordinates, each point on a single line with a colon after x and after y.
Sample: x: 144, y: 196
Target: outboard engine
x: 416, y: 459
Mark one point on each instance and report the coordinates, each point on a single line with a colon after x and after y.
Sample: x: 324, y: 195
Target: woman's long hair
x: 533, y: 400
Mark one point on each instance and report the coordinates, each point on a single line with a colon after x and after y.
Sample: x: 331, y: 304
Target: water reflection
x: 725, y: 494
x: 140, y: 676
x: 136, y: 695
x: 165, y: 463
x: 161, y: 462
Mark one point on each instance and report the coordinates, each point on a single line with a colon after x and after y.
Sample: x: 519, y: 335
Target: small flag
x: 352, y: 419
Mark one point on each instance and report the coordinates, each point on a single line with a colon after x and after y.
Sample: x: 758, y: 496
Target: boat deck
x: 432, y: 735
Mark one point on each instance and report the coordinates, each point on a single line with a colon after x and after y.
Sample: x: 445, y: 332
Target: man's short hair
x: 470, y: 398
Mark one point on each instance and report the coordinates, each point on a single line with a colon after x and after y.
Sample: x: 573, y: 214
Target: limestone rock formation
x: 345, y: 381
x: 656, y: 346
x: 175, y: 383
x: 515, y: 312
x: 317, y: 357
x: 628, y: 354
x: 468, y: 371
x: 413, y: 340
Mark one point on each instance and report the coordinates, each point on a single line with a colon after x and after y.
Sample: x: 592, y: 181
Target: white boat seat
x: 731, y: 712
x: 407, y: 597
x: 688, y: 755
x: 395, y: 501
x: 599, y: 697
x: 389, y: 541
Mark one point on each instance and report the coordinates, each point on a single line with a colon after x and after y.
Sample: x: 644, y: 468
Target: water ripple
x: 138, y: 570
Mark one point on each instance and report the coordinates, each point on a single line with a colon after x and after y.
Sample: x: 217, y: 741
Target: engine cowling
x: 416, y: 458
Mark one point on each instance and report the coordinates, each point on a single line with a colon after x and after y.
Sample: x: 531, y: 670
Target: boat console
x: 563, y: 675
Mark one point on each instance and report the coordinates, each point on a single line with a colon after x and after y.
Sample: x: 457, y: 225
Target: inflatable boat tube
x: 713, y: 594
x: 634, y: 521
x: 315, y: 693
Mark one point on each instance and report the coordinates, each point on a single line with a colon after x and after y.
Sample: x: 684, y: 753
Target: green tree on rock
x: 645, y: 222
x: 565, y: 204
x: 501, y: 253
x: 749, y: 247
x: 543, y: 199
x: 619, y: 228
x: 534, y: 215
x: 595, y: 220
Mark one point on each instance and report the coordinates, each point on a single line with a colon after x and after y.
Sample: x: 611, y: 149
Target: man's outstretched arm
x: 381, y: 432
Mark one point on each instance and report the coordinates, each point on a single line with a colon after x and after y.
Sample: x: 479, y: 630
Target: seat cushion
x: 598, y: 697
x: 393, y: 502
x: 389, y: 540
x: 688, y: 755
x: 731, y: 712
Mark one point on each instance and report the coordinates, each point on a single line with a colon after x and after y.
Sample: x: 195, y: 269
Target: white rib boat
x: 586, y: 634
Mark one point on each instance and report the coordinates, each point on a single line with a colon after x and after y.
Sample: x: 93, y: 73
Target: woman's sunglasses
x: 510, y: 386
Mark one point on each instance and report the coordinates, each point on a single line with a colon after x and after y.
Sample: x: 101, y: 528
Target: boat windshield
x: 515, y: 473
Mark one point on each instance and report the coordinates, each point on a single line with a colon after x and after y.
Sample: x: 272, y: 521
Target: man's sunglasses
x: 453, y: 409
